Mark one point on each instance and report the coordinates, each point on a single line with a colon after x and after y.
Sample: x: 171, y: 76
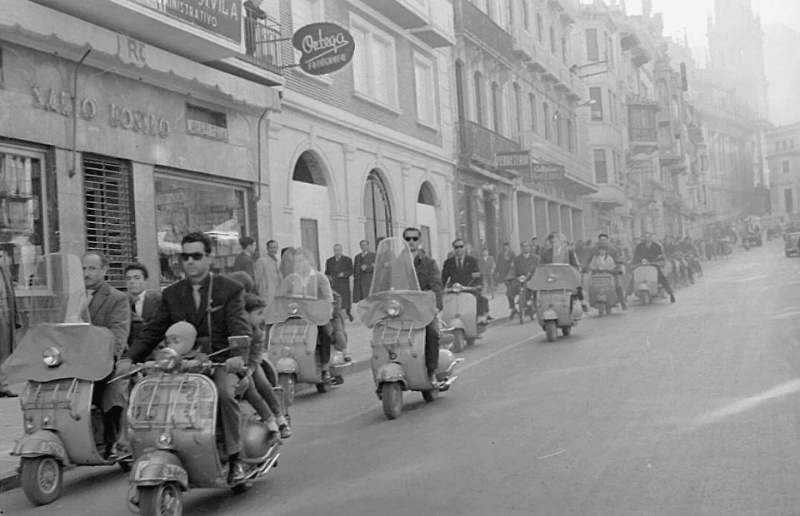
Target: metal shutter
x: 110, y: 227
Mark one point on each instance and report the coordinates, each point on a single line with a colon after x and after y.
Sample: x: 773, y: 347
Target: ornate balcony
x: 474, y: 23
x: 480, y: 145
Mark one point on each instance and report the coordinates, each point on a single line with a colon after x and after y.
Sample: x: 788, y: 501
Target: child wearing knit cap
x: 254, y: 307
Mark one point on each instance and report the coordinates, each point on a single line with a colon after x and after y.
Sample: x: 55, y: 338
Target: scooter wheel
x: 392, y: 397
x: 42, y: 479
x: 551, y: 329
x: 458, y: 341
x: 242, y: 487
x: 163, y: 500
x: 286, y: 381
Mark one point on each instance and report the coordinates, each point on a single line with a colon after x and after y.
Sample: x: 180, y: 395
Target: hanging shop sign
x: 324, y: 47
x: 547, y: 172
x: 517, y: 160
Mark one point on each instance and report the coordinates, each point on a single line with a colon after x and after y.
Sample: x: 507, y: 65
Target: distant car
x: 791, y: 244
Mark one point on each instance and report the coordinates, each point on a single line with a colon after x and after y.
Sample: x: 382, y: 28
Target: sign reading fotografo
x: 324, y: 47
x: 517, y: 160
x: 221, y: 17
x: 547, y: 172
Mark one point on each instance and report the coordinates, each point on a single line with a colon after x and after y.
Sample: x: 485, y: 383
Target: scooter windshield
x: 60, y: 342
x: 555, y: 276
x: 304, y: 291
x: 395, y: 292
x: 394, y: 267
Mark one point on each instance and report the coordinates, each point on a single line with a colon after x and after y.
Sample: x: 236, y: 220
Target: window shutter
x: 108, y: 199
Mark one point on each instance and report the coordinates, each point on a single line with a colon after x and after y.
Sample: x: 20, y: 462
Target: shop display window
x: 185, y: 205
x: 22, y: 220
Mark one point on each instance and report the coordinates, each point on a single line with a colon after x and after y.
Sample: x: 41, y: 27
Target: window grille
x: 110, y: 227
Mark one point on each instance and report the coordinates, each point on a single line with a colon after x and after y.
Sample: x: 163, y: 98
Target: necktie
x: 458, y: 264
x: 138, y: 306
x: 196, y: 295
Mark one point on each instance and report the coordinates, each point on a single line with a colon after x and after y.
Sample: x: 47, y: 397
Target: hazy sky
x: 692, y: 15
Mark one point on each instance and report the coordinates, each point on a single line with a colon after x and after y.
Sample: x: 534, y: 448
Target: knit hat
x: 184, y: 330
x: 252, y: 302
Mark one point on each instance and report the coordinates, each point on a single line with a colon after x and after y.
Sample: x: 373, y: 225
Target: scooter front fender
x: 286, y: 365
x: 549, y: 315
x: 455, y: 324
x: 390, y: 372
x: 159, y: 467
x: 39, y: 444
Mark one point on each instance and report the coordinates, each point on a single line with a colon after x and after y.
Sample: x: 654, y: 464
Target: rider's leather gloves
x: 124, y: 366
x: 235, y: 365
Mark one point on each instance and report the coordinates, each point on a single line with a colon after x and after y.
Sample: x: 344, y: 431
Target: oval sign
x: 325, y: 47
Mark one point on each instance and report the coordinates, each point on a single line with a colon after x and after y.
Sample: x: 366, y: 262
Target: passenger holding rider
x: 654, y: 254
x: 464, y: 270
x: 604, y: 262
x: 524, y: 265
x: 429, y: 279
x: 558, y: 251
x: 214, y: 305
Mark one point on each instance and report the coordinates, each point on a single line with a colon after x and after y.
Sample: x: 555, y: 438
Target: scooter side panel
x: 184, y: 406
x: 64, y: 406
x: 296, y: 339
x: 646, y: 275
x: 558, y: 300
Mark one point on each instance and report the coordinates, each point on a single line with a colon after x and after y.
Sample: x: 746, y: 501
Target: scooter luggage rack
x: 292, y: 332
x: 398, y: 333
x: 175, y: 404
x: 32, y: 401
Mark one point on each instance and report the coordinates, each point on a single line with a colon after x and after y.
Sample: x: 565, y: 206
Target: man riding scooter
x: 463, y: 269
x: 429, y: 279
x: 558, y: 251
x: 606, y: 257
x: 654, y: 254
x: 214, y: 305
x: 524, y: 265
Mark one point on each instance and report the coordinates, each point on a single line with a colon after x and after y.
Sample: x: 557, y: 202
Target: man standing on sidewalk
x: 9, y: 320
x: 339, y: 268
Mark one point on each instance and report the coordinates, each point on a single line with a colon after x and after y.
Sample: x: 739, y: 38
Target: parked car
x: 791, y: 244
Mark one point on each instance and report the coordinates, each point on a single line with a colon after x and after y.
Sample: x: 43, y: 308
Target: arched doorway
x: 377, y: 210
x: 427, y: 219
x: 311, y: 202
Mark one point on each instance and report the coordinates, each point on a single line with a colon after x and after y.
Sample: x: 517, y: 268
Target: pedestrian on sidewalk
x: 364, y: 266
x: 503, y: 264
x: 487, y: 266
x: 338, y: 269
x: 244, y: 262
x: 9, y: 318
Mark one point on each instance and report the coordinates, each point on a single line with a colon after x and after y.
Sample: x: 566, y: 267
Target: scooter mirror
x: 239, y: 341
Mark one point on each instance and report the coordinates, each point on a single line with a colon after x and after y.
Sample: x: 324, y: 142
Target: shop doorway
x: 377, y: 210
x: 311, y: 201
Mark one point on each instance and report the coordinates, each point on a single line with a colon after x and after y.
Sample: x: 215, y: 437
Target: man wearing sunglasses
x: 464, y: 269
x: 214, y: 305
x: 429, y: 279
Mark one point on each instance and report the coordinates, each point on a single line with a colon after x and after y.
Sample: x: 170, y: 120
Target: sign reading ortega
x: 324, y: 47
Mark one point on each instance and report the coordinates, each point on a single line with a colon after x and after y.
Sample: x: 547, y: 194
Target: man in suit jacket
x: 364, y: 266
x: 109, y: 308
x: 144, y: 303
x: 524, y: 264
x: 244, y: 262
x: 214, y: 305
x: 339, y: 268
x: 464, y: 269
x: 429, y: 279
x: 267, y: 273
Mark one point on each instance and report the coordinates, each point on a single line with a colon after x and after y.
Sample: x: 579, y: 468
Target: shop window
x: 184, y: 205
x: 596, y: 102
x: 108, y: 204
x: 375, y: 66
x: 600, y: 167
x: 23, y: 201
x: 592, y: 48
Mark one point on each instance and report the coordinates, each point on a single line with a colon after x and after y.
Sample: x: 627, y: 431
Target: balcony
x: 438, y: 32
x: 579, y: 177
x: 262, y: 61
x: 567, y: 9
x: 481, y: 145
x: 162, y: 25
x: 406, y: 13
x: 474, y: 23
x: 609, y: 195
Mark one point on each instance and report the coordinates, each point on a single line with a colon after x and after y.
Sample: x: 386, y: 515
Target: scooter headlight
x: 294, y: 308
x: 52, y: 357
x: 551, y: 279
x: 167, y: 359
x: 456, y: 288
x: 286, y: 352
x: 394, y: 309
x: 165, y: 441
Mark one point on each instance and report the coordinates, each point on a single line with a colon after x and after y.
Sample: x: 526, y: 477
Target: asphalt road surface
x: 685, y: 409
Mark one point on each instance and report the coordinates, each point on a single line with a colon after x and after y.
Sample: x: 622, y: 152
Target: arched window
x: 377, y: 209
x: 479, y: 98
x: 308, y: 170
x: 426, y: 195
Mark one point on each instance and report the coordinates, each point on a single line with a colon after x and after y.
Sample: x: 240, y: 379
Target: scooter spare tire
x: 42, y: 479
x: 392, y: 396
x: 163, y: 500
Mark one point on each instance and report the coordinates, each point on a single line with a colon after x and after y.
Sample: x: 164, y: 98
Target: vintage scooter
x: 172, y: 425
x: 645, y: 281
x: 460, y: 315
x: 295, y: 315
x: 61, y: 356
x: 554, y: 284
x: 603, y: 292
x: 397, y: 312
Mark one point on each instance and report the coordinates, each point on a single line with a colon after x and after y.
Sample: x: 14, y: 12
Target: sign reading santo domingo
x: 221, y: 17
x: 324, y: 47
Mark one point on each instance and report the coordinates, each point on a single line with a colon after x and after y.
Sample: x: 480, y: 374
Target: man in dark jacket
x: 245, y: 262
x: 504, y: 261
x: 654, y: 254
x: 429, y: 279
x: 338, y: 269
x: 524, y: 265
x: 464, y: 269
x: 144, y: 303
x: 364, y: 267
x: 214, y: 305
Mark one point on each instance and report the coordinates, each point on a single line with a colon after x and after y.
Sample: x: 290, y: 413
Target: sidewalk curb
x: 9, y: 480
